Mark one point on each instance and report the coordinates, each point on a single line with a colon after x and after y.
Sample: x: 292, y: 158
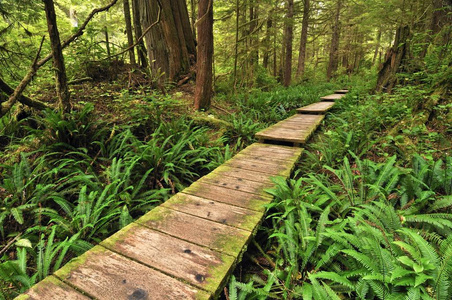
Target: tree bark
x: 128, y: 20
x: 303, y: 38
x: 395, y: 57
x: 170, y: 44
x: 141, y: 49
x: 334, y: 48
x: 288, y: 40
x: 237, y: 31
x: 203, y: 90
x: 267, y: 41
x: 58, y: 58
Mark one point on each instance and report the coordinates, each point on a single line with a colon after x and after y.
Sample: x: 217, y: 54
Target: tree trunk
x: 129, y: 33
x: 267, y: 41
x: 236, y: 49
x: 203, y: 90
x: 141, y: 49
x: 334, y: 48
x: 377, y: 46
x: 303, y: 38
x: 58, y: 59
x: 288, y: 39
x: 170, y: 44
x: 395, y: 57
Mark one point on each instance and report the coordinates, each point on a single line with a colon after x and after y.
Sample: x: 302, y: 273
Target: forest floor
x: 130, y: 144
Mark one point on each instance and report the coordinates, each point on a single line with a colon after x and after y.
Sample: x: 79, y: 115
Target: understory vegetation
x: 68, y: 183
x: 367, y: 215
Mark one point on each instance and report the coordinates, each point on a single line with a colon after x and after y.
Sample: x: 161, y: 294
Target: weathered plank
x: 202, y: 267
x: 228, y: 196
x: 238, y: 184
x: 332, y: 97
x: 215, y: 211
x: 319, y: 107
x: 341, y: 91
x: 271, y: 150
x: 223, y: 238
x: 240, y: 173
x: 104, y: 274
x: 52, y: 288
x: 286, y: 131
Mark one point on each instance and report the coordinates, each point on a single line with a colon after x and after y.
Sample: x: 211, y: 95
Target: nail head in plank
x: 332, y: 97
x: 215, y: 211
x: 108, y: 275
x: 223, y: 238
x: 228, y: 196
x: 52, y: 288
x: 202, y: 267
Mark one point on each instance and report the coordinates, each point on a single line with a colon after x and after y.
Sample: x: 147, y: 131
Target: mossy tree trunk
x: 395, y: 57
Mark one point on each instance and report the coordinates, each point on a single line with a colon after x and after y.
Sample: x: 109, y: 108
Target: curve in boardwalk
x: 187, y: 247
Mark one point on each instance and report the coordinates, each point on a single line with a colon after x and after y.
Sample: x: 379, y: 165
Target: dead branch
x: 4, y: 87
x: 6, y: 106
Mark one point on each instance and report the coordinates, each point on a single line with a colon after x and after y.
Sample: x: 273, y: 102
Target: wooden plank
x: 300, y: 119
x: 267, y: 160
x: 255, y: 165
x: 319, y: 107
x: 332, y: 97
x: 238, y: 184
x: 215, y: 211
x: 269, y: 149
x: 202, y: 267
x: 228, y: 196
x: 240, y: 173
x: 341, y: 91
x: 52, y: 288
x: 216, y: 236
x: 291, y: 136
x: 295, y: 130
x: 104, y: 274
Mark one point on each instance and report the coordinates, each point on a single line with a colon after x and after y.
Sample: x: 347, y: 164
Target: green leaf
x: 24, y: 243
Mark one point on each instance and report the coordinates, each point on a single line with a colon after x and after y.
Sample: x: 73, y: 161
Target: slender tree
x: 58, y: 59
x: 128, y: 20
x: 141, y: 49
x: 334, y: 46
x: 203, y: 90
x: 303, y: 38
x: 288, y: 41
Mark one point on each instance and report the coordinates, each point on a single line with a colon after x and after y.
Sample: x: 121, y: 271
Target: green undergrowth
x: 368, y: 214
x: 69, y: 182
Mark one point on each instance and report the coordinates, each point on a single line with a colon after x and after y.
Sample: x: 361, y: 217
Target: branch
x: 159, y: 17
x: 5, y: 88
x: 79, y: 31
x: 6, y: 106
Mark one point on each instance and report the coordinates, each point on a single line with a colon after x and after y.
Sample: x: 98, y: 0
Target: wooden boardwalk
x: 296, y: 129
x: 187, y: 247
x: 316, y: 108
x: 332, y: 97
